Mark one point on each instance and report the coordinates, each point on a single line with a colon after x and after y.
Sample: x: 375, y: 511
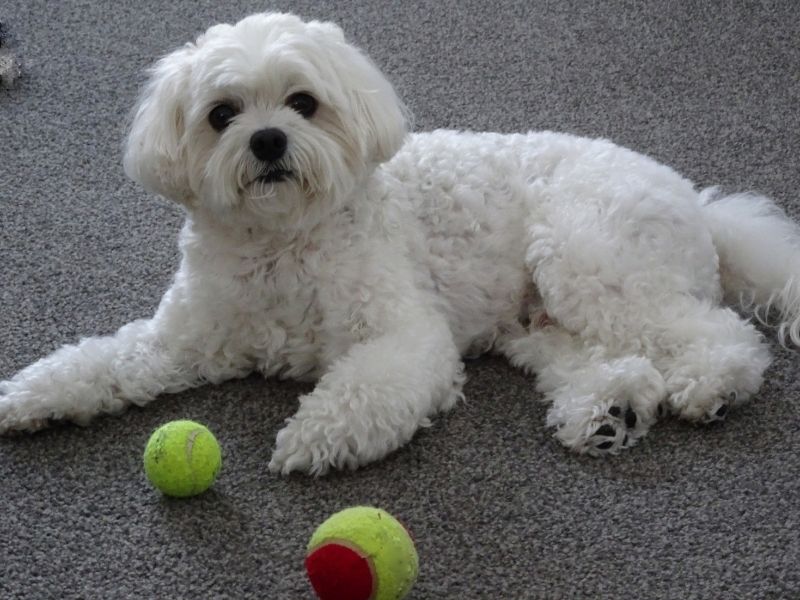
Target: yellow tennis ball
x: 182, y: 458
x: 362, y: 553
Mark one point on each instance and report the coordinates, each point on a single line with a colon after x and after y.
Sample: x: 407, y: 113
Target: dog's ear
x: 154, y: 152
x: 375, y: 108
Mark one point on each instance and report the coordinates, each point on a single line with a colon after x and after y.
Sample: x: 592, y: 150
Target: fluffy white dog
x: 323, y: 242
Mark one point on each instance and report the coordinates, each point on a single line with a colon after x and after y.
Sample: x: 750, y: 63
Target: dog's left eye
x: 221, y: 115
x: 303, y: 103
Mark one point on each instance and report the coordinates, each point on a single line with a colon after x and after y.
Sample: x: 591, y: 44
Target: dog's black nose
x: 268, y: 144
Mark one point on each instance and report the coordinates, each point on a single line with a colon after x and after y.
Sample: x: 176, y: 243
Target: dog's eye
x: 221, y: 115
x: 303, y: 103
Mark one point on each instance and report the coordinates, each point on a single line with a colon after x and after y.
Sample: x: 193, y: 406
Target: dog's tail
x: 759, y: 252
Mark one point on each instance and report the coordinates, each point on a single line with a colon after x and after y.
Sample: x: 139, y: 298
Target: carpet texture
x: 498, y: 508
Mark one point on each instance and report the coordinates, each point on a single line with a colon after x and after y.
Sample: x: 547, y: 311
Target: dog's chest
x: 298, y: 312
x: 278, y: 315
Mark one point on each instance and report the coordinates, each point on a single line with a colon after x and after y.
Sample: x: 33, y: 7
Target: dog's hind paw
x: 718, y: 412
x: 619, y: 428
x: 607, y: 407
x: 706, y: 409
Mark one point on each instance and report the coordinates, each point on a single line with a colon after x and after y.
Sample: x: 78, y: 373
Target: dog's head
x: 266, y: 119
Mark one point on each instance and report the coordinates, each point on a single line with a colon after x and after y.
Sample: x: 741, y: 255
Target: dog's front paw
x: 314, y: 445
x: 322, y: 435
x: 294, y: 453
x: 308, y: 446
x: 19, y: 413
x: 339, y: 430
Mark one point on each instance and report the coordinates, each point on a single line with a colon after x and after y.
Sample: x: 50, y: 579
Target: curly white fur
x: 385, y: 257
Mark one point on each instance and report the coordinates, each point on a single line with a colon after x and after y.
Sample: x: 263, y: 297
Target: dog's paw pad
x: 607, y: 439
x: 606, y: 430
x: 630, y: 418
x: 718, y: 411
x: 619, y: 428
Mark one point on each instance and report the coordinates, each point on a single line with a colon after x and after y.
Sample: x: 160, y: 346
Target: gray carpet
x: 498, y: 508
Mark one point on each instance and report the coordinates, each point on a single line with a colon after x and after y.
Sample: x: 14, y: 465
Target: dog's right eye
x: 221, y: 115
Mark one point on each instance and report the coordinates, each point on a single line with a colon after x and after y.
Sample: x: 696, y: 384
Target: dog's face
x: 269, y: 119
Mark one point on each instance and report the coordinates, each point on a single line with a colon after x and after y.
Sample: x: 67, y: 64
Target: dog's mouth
x: 274, y: 175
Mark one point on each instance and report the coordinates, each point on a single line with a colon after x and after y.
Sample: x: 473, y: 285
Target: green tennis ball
x: 362, y: 553
x: 182, y: 458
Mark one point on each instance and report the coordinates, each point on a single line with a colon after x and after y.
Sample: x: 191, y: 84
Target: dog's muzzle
x: 269, y: 146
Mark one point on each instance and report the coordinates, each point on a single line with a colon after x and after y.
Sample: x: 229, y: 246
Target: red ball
x: 338, y: 572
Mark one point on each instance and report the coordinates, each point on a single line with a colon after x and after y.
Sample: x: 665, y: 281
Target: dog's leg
x: 104, y: 375
x: 630, y: 269
x: 599, y: 404
x: 372, y: 400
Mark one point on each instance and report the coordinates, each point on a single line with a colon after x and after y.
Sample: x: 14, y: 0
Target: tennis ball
x: 182, y: 458
x: 362, y: 553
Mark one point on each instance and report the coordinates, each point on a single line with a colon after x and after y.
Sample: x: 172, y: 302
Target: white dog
x: 323, y: 242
